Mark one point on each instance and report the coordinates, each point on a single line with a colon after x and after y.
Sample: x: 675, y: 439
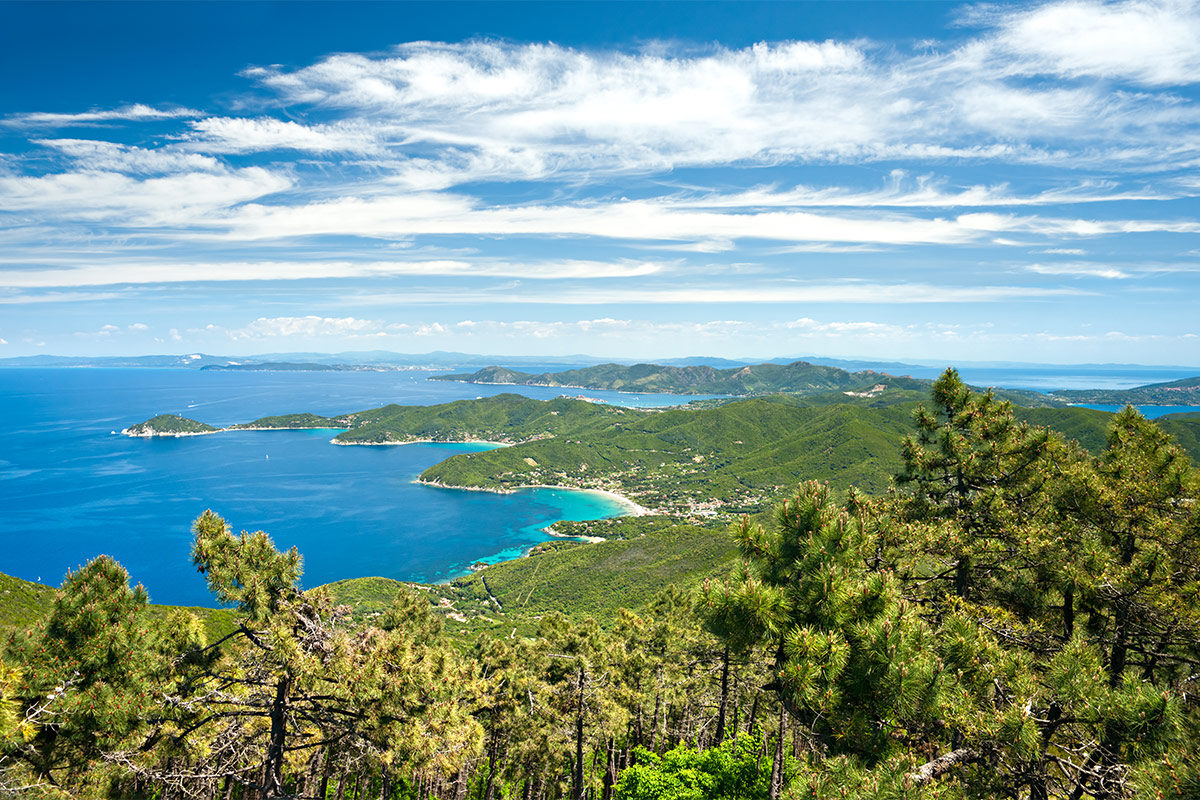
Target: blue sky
x: 629, y: 180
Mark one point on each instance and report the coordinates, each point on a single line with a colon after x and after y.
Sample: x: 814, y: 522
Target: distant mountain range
x: 691, y: 375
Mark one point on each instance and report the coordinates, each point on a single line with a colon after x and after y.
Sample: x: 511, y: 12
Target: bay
x: 71, y: 487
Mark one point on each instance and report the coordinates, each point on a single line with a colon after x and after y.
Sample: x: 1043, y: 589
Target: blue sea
x: 71, y: 487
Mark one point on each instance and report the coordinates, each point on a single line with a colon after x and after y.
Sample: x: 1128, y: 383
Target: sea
x: 72, y: 487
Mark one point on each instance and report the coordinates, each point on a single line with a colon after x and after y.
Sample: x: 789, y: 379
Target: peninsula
x: 696, y: 462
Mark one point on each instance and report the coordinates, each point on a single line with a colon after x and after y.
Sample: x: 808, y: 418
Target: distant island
x: 797, y: 377
x: 802, y: 378
x: 169, y: 425
x: 757, y: 380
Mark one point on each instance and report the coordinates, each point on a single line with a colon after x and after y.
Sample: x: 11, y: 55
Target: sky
x: 624, y: 180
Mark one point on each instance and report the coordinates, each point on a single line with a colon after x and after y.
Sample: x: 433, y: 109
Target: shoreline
x: 634, y: 509
x: 420, y: 441
x: 230, y: 429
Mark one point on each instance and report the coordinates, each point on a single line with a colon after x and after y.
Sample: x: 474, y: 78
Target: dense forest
x: 1015, y: 616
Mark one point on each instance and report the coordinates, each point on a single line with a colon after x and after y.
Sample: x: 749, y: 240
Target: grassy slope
x: 23, y: 604
x: 739, y: 453
x: 576, y: 579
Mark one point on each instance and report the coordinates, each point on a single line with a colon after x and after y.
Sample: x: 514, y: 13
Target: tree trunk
x: 941, y: 765
x: 610, y: 770
x: 323, y: 791
x: 273, y: 768
x: 1069, y: 613
x: 489, y: 791
x: 577, y: 782
x: 777, y: 761
x: 724, y: 695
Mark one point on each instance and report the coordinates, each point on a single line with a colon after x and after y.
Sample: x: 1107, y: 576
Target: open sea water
x: 71, y: 487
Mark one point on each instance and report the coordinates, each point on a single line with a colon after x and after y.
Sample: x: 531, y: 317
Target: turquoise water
x: 71, y: 488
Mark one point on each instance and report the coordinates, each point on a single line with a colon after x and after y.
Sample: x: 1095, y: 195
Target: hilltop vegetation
x: 798, y: 378
x: 169, y: 425
x: 293, y: 422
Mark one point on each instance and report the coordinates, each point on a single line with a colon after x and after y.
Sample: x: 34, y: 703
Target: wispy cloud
x: 1147, y: 42
x: 152, y: 272
x: 488, y: 110
x: 240, y: 135
x: 92, y: 154
x: 174, y: 199
x: 130, y: 113
x: 849, y: 292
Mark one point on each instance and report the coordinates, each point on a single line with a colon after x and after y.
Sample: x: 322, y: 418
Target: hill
x: 24, y: 604
x: 798, y: 378
x: 169, y: 425
x: 737, y: 456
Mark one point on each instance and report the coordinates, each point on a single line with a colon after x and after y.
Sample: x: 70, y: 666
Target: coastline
x: 633, y: 508
x: 153, y: 434
x: 420, y: 441
x: 230, y: 429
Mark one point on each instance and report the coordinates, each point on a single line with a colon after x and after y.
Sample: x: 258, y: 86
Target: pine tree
x: 91, y: 676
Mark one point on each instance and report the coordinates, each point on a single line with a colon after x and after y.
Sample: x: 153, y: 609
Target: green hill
x: 502, y: 418
x: 24, y: 604
x: 798, y: 377
x: 169, y: 425
x: 293, y: 422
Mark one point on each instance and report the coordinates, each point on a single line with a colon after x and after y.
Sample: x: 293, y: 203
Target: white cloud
x: 445, y: 214
x: 21, y: 298
x: 923, y: 191
x: 1079, y: 270
x: 307, y: 326
x: 241, y: 135
x: 130, y: 113
x: 778, y: 293
x: 91, y: 154
x: 488, y: 110
x: 1110, y: 271
x: 1148, y: 42
x: 150, y: 272
x: 173, y: 199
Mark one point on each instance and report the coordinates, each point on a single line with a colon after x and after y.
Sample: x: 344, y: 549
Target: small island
x: 169, y: 425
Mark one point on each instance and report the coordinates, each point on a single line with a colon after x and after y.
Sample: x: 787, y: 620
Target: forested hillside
x: 1020, y: 617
